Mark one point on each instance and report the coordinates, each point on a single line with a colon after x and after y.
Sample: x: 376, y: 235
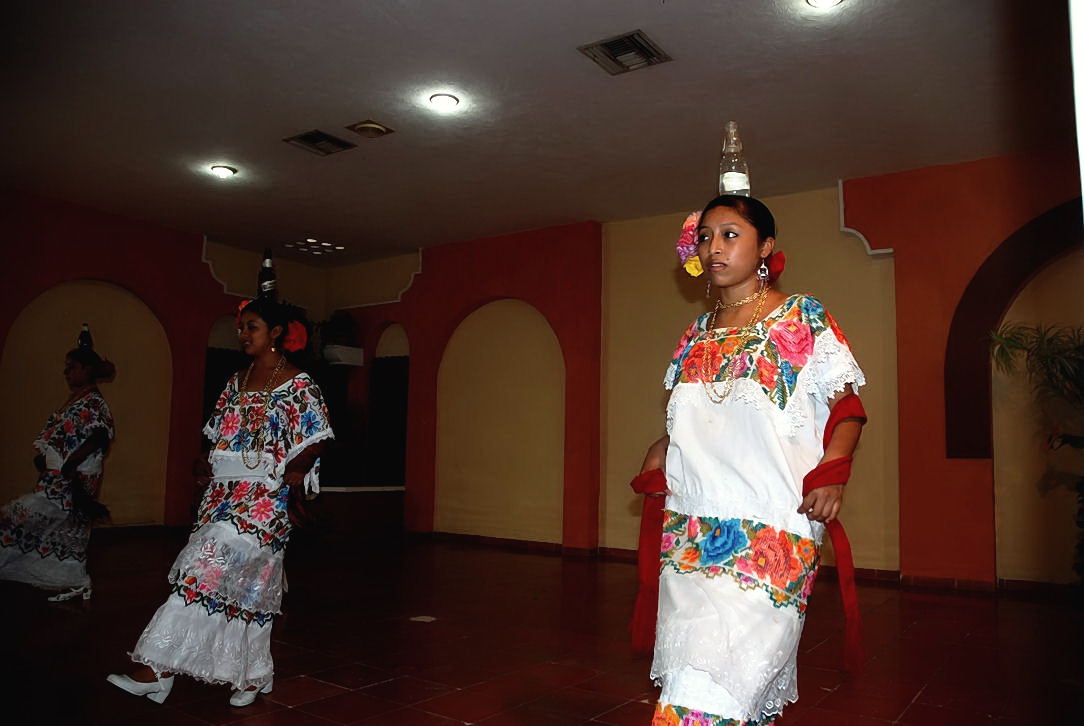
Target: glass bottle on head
x: 733, y: 171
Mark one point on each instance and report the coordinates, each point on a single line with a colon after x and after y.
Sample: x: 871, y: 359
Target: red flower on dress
x: 793, y: 339
x: 767, y: 371
x: 772, y: 558
x: 836, y: 329
x: 230, y: 423
x: 293, y: 416
x: 703, y: 361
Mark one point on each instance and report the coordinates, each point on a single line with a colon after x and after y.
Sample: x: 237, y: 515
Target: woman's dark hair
x: 276, y: 313
x: 100, y: 369
x: 752, y: 210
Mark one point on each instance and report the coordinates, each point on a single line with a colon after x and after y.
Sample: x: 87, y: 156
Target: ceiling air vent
x: 319, y: 143
x: 624, y: 53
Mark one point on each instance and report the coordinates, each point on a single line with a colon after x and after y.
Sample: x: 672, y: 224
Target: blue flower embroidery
x: 309, y: 423
x: 274, y: 424
x: 788, y: 375
x: 241, y: 440
x: 724, y: 539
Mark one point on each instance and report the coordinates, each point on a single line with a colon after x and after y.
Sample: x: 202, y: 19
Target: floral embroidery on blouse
x: 68, y: 428
x: 295, y: 416
x: 756, y: 555
x: 779, y: 348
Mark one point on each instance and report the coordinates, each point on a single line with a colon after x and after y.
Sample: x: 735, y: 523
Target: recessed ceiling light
x: 326, y: 244
x: 338, y: 247
x: 289, y: 244
x: 310, y: 240
x: 824, y: 3
x: 443, y: 101
x: 222, y: 171
x: 317, y: 252
x: 370, y: 129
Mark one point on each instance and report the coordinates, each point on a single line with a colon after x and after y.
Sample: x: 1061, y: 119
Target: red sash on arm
x: 646, y: 609
x: 650, y: 482
x: 833, y: 473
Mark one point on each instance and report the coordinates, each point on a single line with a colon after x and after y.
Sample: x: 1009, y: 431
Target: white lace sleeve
x: 831, y: 368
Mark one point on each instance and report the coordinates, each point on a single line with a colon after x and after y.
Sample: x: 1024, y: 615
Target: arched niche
x: 1035, y: 518
x: 128, y: 333
x: 502, y: 374
x: 968, y: 417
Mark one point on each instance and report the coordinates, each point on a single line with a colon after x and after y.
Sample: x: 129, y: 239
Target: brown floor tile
x: 577, y: 704
x: 353, y: 675
x: 285, y: 717
x: 302, y: 689
x: 217, y: 710
x: 821, y: 717
x: 409, y: 717
x: 406, y: 690
x: 348, y: 708
x: 633, y: 713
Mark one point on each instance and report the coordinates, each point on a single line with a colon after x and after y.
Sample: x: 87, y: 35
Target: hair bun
x: 105, y: 370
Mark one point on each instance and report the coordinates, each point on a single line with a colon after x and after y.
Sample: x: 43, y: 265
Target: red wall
x: 52, y: 242
x: 943, y: 222
x: 558, y: 270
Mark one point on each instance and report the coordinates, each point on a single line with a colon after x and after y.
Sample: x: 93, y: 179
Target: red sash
x: 834, y: 473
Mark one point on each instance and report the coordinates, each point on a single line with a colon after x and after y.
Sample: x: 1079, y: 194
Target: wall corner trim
x: 211, y: 269
x: 850, y: 230
x: 399, y: 295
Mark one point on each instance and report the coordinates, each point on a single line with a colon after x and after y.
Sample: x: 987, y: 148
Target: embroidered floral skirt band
x: 733, y: 594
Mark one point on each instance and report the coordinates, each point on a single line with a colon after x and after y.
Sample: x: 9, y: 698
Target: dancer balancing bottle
x: 733, y: 171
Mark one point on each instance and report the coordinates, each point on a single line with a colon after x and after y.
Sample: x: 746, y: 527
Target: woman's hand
x: 823, y: 504
x: 201, y: 469
x: 294, y: 479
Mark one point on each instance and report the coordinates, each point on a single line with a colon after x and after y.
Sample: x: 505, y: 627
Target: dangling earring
x: 708, y: 293
x: 274, y: 349
x: 762, y: 271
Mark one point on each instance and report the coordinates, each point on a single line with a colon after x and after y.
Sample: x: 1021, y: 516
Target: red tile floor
x: 519, y: 639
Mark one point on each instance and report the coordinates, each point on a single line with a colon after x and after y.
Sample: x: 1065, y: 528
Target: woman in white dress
x: 265, y: 437
x: 44, y: 534
x: 754, y: 383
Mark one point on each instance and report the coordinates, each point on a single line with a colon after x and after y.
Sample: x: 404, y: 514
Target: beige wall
x: 372, y: 282
x: 299, y: 283
x: 320, y: 290
x: 1036, y: 532
x: 500, y: 426
x: 126, y: 332
x: 647, y: 304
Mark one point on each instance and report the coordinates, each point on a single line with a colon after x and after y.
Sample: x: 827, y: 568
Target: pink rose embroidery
x: 767, y: 372
x: 230, y: 423
x: 668, y: 540
x: 794, y: 341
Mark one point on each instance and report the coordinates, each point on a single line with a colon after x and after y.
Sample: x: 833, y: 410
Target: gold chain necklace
x: 732, y: 367
x: 246, y: 421
x: 720, y: 305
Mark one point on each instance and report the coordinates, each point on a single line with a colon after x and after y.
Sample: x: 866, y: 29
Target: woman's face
x: 256, y: 337
x: 76, y: 374
x: 729, y: 247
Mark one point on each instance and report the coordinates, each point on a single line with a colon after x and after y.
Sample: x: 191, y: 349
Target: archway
x: 502, y: 373
x: 128, y: 333
x: 1035, y: 518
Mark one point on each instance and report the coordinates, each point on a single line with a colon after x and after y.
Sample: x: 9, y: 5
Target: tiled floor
x: 519, y: 640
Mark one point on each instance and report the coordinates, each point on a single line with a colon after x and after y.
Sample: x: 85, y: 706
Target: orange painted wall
x: 558, y: 270
x: 943, y: 222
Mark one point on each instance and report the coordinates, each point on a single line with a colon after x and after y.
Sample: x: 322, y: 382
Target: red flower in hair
x: 296, y: 337
x: 240, y: 309
x: 776, y: 262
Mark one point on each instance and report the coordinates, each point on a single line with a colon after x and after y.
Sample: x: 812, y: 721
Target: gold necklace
x: 246, y: 421
x: 732, y: 367
x: 720, y: 305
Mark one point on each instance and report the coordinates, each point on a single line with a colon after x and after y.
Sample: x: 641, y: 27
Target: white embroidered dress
x: 227, y: 581
x: 738, y: 561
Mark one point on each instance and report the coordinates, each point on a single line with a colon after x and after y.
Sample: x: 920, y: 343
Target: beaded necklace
x: 732, y: 367
x: 246, y: 421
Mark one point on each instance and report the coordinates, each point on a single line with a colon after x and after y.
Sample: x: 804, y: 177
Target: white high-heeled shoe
x: 244, y: 698
x: 154, y: 690
x: 84, y: 590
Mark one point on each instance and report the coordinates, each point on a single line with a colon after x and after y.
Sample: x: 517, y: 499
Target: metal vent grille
x: 319, y: 143
x: 624, y: 53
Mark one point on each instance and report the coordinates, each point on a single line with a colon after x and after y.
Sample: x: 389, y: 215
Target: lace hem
x: 777, y: 693
x: 200, y: 676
